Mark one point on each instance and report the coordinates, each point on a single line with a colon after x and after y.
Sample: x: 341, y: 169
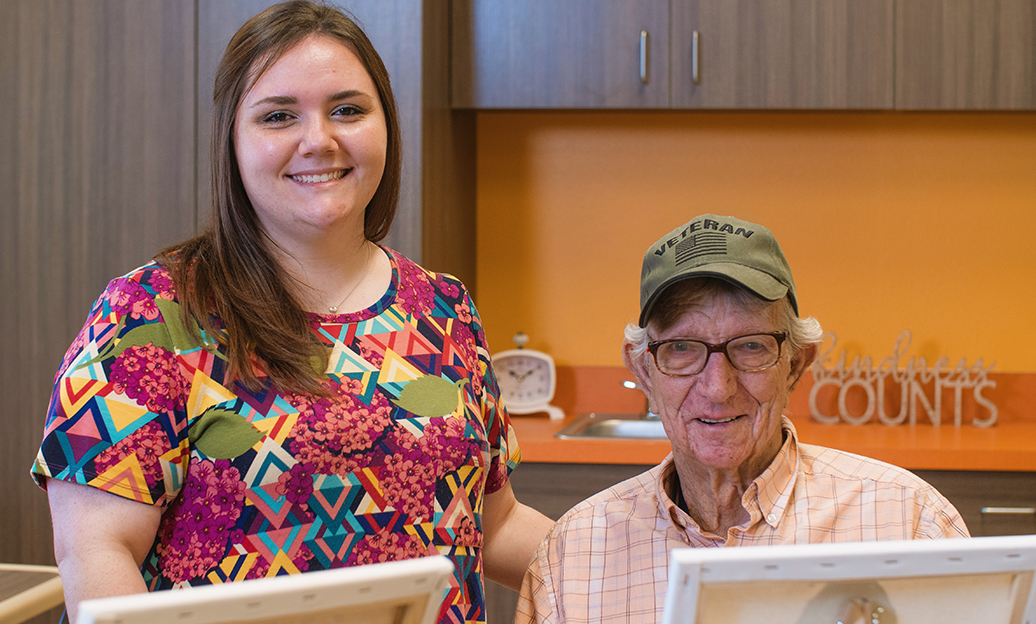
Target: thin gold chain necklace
x: 334, y: 309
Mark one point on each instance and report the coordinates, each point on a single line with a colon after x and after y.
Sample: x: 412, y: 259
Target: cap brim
x: 762, y: 285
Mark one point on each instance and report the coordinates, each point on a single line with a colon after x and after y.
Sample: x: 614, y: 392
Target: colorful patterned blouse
x: 393, y: 465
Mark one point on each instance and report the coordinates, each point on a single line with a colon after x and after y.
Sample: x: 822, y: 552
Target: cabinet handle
x: 1009, y: 511
x: 644, y: 76
x: 695, y: 58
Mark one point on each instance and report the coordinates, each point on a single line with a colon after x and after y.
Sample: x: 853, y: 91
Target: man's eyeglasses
x: 680, y: 357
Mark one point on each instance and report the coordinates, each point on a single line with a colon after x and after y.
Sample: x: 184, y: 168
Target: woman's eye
x: 276, y: 117
x: 348, y: 110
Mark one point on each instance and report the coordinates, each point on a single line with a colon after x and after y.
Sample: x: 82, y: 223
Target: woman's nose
x: 317, y: 138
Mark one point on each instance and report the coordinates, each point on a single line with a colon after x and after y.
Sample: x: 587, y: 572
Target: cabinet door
x: 549, y: 54
x: 991, y: 503
x: 834, y: 54
x: 966, y: 54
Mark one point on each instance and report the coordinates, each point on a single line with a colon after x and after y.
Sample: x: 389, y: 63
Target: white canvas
x: 398, y: 592
x: 985, y: 580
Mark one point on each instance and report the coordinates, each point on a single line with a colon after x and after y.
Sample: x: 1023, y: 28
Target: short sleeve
x: 503, y: 443
x: 939, y: 518
x: 534, y: 599
x: 117, y: 414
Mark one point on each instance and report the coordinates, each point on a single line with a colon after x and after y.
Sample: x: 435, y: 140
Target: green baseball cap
x: 742, y: 253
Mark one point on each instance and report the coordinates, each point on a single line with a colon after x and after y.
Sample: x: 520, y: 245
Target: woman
x: 282, y: 394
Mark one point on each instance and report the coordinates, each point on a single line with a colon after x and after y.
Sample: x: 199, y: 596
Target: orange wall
x: 891, y: 221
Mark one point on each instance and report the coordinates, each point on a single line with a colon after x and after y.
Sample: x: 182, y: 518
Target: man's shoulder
x: 832, y: 470
x: 821, y: 461
x: 637, y: 492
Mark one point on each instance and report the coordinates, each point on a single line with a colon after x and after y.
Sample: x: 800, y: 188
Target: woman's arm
x: 100, y: 541
x: 511, y: 532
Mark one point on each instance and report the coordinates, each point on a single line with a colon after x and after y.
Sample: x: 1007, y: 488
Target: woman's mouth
x: 323, y: 177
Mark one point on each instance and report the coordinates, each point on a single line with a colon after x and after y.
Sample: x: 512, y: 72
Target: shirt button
x: 771, y: 518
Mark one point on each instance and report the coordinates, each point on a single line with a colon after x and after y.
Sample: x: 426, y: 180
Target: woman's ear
x: 800, y: 362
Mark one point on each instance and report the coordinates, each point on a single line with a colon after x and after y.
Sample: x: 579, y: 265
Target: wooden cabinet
x: 785, y: 54
x: 722, y: 54
x: 991, y: 503
x: 966, y: 54
x: 746, y: 54
x: 549, y: 54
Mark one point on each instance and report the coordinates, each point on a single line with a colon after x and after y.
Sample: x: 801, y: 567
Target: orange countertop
x: 1009, y: 445
x: 1006, y: 447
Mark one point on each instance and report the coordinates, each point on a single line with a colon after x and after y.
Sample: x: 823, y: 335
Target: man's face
x: 721, y: 418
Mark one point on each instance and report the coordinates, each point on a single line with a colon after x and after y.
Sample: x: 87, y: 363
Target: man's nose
x: 718, y: 380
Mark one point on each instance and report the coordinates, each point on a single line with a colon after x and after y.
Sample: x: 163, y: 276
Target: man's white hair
x: 802, y: 332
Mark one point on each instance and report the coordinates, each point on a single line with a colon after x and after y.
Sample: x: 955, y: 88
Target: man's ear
x: 638, y: 366
x: 800, y: 363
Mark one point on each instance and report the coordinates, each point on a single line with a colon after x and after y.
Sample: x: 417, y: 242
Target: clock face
x: 525, y: 380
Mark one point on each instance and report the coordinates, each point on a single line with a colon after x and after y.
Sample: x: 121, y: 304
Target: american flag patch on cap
x: 700, y: 244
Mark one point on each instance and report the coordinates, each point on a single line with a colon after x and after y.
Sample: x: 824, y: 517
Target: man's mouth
x: 323, y: 177
x: 718, y: 421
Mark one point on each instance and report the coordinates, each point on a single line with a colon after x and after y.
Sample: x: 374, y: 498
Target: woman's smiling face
x: 310, y: 139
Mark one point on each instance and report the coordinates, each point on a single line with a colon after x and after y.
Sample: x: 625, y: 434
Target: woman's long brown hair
x: 228, y: 272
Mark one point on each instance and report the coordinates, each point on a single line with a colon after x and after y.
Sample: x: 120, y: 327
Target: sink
x: 613, y: 427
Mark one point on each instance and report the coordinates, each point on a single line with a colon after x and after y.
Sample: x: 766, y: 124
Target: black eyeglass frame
x: 779, y: 336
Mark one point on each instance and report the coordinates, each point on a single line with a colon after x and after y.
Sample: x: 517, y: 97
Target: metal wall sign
x: 920, y: 388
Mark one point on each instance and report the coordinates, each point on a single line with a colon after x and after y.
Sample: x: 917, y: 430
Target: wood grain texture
x: 447, y: 158
x: 28, y: 593
x: 784, y: 54
x: 548, y: 54
x: 217, y: 23
x: 966, y: 55
x: 14, y: 582
x: 971, y: 491
x: 394, y: 28
x: 99, y: 174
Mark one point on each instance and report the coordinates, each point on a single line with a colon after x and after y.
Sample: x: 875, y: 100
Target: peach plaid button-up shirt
x: 606, y: 560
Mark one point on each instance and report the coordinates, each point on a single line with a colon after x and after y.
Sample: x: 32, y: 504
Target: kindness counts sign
x: 895, y: 391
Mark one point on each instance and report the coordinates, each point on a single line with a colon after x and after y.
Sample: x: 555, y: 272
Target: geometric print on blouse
x: 394, y: 464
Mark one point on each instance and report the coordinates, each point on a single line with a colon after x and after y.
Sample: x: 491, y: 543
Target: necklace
x: 334, y: 309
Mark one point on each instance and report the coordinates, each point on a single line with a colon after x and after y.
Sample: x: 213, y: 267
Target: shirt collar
x: 666, y: 504
x: 771, y: 490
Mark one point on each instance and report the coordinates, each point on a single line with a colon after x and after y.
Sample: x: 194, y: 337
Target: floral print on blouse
x: 393, y: 464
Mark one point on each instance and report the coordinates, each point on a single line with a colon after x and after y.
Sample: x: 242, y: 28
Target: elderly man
x: 718, y: 349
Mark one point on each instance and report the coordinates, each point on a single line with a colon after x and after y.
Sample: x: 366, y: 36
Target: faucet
x: 646, y: 413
